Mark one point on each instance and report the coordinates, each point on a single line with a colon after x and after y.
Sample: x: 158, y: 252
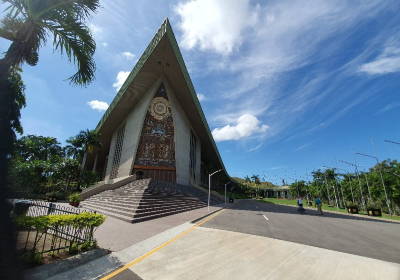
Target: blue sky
x: 285, y: 85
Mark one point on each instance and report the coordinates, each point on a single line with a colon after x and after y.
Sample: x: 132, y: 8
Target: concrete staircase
x: 147, y: 199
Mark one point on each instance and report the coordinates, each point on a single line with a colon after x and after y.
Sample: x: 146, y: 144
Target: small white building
x: 279, y: 192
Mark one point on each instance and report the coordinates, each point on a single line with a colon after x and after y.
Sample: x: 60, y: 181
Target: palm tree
x: 86, y: 140
x: 255, y: 179
x: 28, y: 24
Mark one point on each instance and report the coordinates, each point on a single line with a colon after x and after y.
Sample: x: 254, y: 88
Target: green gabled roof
x: 146, y: 54
x: 165, y: 29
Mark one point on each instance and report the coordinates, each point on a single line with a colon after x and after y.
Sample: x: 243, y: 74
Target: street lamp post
x: 348, y: 175
x: 383, y: 183
x: 225, y: 191
x: 340, y: 184
x: 334, y: 190
x: 209, y: 187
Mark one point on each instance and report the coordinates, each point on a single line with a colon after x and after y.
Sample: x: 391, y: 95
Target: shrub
x: 75, y: 197
x: 85, y: 245
x: 73, y: 248
x: 351, y: 204
x: 371, y: 205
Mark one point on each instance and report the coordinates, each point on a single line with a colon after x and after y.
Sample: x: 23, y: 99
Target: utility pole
x: 356, y: 171
x: 348, y: 175
x: 340, y: 184
x: 366, y: 179
x: 383, y: 183
x: 334, y: 190
x: 359, y: 183
x: 326, y: 182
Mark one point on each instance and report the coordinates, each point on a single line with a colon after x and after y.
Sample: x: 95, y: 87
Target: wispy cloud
x: 98, y: 105
x: 128, y: 55
x: 300, y: 148
x: 387, y: 62
x: 121, y: 77
x: 245, y: 126
x: 388, y: 107
x: 95, y: 28
x: 281, y: 39
x: 278, y: 167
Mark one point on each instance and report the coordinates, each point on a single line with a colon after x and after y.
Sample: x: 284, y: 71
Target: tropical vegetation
x: 41, y: 165
x: 379, y: 187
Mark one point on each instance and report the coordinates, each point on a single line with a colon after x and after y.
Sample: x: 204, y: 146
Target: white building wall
x: 134, y: 124
x: 198, y: 161
x: 111, y: 155
x: 182, y: 128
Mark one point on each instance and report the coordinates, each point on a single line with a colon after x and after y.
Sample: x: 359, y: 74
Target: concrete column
x: 95, y: 162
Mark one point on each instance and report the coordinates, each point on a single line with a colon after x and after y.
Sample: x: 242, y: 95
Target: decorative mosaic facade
x: 156, y: 150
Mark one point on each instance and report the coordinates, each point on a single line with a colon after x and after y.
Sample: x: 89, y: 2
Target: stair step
x: 147, y: 199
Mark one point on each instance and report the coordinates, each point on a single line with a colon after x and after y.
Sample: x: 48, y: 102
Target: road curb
x: 209, y: 214
x: 48, y: 270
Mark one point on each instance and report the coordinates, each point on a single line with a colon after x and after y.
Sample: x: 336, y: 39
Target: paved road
x: 343, y: 233
x: 265, y: 241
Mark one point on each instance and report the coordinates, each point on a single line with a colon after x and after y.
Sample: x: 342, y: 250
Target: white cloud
x: 201, y: 97
x: 95, y: 29
x: 221, y: 29
x: 98, y: 105
x: 128, y: 55
x: 289, y: 36
x: 381, y: 66
x: 121, y: 77
x: 105, y: 44
x: 245, y: 126
x: 387, y: 62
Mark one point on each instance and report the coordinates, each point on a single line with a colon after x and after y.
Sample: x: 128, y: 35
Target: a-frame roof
x: 162, y: 56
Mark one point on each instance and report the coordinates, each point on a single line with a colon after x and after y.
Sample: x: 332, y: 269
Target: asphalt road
x: 354, y: 235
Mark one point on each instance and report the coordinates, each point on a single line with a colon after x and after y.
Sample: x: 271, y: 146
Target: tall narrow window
x: 117, y: 153
x: 192, y: 164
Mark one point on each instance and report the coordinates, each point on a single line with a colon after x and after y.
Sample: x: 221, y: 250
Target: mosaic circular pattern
x: 159, y: 108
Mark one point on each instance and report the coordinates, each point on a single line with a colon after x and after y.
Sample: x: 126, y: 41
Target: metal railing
x: 54, y: 238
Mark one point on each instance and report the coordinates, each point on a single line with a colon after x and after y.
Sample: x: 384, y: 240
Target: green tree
x: 256, y: 179
x: 32, y: 147
x: 84, y: 143
x: 28, y: 23
x: 12, y: 99
x: 299, y: 188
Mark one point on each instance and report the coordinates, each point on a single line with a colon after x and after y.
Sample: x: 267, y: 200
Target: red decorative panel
x: 156, y: 145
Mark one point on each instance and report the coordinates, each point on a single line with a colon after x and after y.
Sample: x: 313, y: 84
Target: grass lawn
x: 324, y: 207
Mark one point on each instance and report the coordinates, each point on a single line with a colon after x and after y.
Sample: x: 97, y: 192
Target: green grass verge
x: 324, y: 207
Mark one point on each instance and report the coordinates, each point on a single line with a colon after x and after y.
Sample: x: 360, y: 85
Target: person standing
x: 319, y: 205
x: 300, y: 204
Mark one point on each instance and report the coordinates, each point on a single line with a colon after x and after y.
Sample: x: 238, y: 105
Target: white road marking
x: 266, y: 218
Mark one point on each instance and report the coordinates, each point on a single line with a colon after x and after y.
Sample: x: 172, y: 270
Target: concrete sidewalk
x: 206, y: 253
x: 125, y: 241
